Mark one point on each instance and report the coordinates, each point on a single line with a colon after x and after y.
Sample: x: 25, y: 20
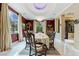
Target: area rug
x: 50, y: 52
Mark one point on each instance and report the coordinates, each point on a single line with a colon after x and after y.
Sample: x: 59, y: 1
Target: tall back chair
x: 51, y: 36
x: 26, y: 38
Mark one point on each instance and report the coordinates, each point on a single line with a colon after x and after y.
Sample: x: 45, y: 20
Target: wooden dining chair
x: 38, y: 48
x: 51, y: 37
x: 26, y: 39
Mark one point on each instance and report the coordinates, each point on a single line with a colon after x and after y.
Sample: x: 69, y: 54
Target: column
x: 76, y: 36
x: 20, y: 27
x: 34, y: 26
x: 44, y: 26
x: 62, y: 27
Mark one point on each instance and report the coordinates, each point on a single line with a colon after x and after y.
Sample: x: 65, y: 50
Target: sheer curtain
x: 5, y: 39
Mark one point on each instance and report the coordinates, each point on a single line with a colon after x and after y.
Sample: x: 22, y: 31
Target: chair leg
x: 30, y: 51
x: 45, y: 52
x: 54, y: 48
x: 26, y: 43
x: 25, y: 47
x: 35, y: 53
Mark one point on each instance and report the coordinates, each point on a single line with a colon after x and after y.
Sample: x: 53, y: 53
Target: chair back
x: 51, y: 35
x: 31, y: 38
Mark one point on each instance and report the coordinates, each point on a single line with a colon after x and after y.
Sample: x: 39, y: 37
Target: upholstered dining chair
x: 51, y: 37
x: 26, y: 38
x: 38, y: 48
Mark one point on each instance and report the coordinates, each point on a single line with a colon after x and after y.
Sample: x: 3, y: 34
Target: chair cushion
x: 39, y: 47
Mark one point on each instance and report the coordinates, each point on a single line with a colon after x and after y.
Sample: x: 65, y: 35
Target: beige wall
x: 59, y: 37
x: 56, y: 25
x: 20, y: 27
x: 74, y: 10
x: 44, y: 26
x: 34, y: 26
x: 62, y: 27
x: 76, y: 36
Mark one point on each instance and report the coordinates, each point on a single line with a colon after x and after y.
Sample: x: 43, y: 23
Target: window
x: 39, y: 27
x: 14, y: 22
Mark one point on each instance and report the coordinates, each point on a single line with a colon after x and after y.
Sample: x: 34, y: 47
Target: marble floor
x: 18, y: 49
x: 15, y: 50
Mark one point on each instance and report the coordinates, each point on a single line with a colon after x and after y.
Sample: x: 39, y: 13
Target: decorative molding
x: 10, y: 8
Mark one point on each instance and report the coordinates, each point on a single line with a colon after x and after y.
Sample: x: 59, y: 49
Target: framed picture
x: 50, y: 24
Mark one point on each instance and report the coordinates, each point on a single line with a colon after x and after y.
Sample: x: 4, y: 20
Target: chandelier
x: 40, y: 6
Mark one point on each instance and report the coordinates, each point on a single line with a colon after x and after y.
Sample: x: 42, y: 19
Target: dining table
x: 43, y: 38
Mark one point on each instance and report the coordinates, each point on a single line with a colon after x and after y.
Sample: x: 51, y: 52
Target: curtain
x: 20, y: 27
x: 5, y: 36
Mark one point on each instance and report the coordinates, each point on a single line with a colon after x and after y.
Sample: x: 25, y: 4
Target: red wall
x: 51, y: 22
x: 25, y: 21
x: 0, y: 6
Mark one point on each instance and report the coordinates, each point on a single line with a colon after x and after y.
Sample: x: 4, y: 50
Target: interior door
x: 66, y: 30
x: 69, y: 28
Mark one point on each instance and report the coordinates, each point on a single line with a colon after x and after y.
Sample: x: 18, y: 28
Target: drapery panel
x: 5, y: 36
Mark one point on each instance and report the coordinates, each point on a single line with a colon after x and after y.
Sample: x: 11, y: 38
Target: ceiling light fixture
x: 40, y: 19
x: 40, y: 6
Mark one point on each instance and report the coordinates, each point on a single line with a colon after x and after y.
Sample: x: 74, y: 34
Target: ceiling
x: 73, y: 10
x: 51, y: 10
